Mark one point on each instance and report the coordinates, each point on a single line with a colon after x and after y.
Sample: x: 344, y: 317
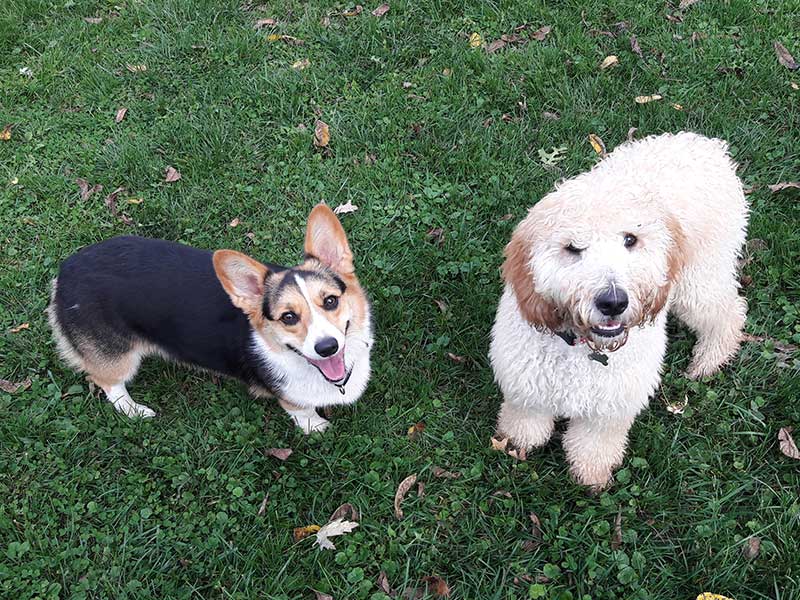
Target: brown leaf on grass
x: 346, y: 511
x: 443, y: 474
x: 299, y: 533
x: 401, y: 492
x: 93, y: 20
x: 322, y: 134
x: 616, y: 538
x: 234, y: 222
x: 784, y: 185
x: 456, y: 358
x: 301, y: 64
x: 369, y: 158
x: 632, y: 133
x: 353, y: 12
x: 5, y: 135
x: 536, y: 534
x: 503, y: 446
x: 347, y: 207
x: 674, y: 18
x: 20, y: 327
x: 171, y: 174
x: 420, y: 489
x: 321, y: 596
x: 495, y: 46
x: 499, y: 444
x: 381, y: 10
x: 85, y: 190
x: 786, y: 443
x: 686, y: 4
x: 635, y: 47
x: 111, y: 203
x: 519, y: 454
x: 597, y: 143
x: 12, y: 387
x: 752, y: 548
x: 436, y: 235
x: 279, y: 453
x: 541, y: 33
x: 442, y: 306
x: 416, y: 429
x: 436, y: 586
x: 646, y: 99
x: 264, y: 23
x: 121, y: 112
x: 784, y: 57
x: 608, y: 62
x: 550, y: 116
x: 383, y: 585
x: 263, y: 508
x: 136, y: 68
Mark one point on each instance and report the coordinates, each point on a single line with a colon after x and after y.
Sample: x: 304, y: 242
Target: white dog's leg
x: 595, y: 447
x: 718, y: 324
x: 118, y: 396
x: 527, y: 428
x: 305, y: 418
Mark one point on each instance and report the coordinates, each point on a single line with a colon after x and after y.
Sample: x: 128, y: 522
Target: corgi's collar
x: 571, y: 339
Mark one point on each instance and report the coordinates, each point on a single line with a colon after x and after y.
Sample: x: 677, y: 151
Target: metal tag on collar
x: 599, y: 357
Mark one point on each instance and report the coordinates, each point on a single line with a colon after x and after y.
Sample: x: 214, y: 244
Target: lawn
x: 442, y: 145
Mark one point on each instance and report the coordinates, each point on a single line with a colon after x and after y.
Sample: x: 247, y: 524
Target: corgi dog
x: 300, y: 334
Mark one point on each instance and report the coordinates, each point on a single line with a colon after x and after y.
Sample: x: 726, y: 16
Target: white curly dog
x: 590, y: 275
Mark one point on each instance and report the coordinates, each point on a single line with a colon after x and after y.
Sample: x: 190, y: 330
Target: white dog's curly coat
x: 656, y: 226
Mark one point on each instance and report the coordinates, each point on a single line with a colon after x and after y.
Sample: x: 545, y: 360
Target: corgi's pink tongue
x: 332, y: 368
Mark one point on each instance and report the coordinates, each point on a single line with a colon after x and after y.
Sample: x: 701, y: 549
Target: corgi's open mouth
x: 333, y: 369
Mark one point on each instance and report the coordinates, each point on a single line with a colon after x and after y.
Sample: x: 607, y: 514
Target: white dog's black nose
x: 326, y: 347
x: 612, y: 302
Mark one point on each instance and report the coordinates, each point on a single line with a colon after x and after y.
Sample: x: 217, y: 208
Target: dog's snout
x: 326, y: 347
x: 612, y: 302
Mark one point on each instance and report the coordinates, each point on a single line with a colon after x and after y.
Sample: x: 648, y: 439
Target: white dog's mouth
x: 609, y: 329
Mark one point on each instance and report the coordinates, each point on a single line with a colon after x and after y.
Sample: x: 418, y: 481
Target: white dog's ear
x: 676, y: 259
x: 518, y: 272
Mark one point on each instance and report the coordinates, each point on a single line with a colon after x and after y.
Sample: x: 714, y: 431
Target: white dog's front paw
x: 132, y: 409
x: 308, y: 420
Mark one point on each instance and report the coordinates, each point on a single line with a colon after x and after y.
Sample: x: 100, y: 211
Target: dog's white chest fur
x: 539, y: 371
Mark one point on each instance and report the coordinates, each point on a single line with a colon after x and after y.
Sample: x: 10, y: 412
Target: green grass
x: 98, y: 506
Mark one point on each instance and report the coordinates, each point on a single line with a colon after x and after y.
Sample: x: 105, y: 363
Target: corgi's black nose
x: 612, y: 302
x: 326, y: 347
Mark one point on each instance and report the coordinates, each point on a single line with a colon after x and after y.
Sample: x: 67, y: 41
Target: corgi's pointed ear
x: 327, y: 241
x: 243, y: 280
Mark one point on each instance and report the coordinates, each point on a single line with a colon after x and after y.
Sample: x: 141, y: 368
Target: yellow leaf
x: 475, y: 40
x: 322, y: 134
x: 136, y: 68
x: 274, y: 37
x: 135, y: 200
x: 19, y: 328
x: 303, y: 532
x: 677, y: 106
x: 597, y: 143
x: 301, y: 64
x: 5, y: 135
x: 646, y: 99
x: 710, y: 596
x: 609, y: 61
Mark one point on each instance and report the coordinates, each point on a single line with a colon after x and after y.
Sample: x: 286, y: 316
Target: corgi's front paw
x: 308, y: 420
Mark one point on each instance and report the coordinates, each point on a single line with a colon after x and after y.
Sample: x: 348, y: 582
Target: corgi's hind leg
x: 111, y: 374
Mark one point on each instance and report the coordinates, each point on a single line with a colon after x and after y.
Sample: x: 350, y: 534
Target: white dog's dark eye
x: 630, y: 240
x: 289, y: 318
x: 330, y: 303
x: 572, y: 249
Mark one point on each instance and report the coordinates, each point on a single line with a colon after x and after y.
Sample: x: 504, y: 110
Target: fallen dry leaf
x: 347, y: 207
x: 85, y: 190
x: 381, y: 10
x: 616, y: 538
x: 646, y: 99
x: 135, y: 200
x: 322, y: 134
x: 536, y: 528
x: 677, y: 408
x: 597, y: 143
x: 263, y: 508
x: 420, y: 489
x: 710, y: 596
x: 234, y: 222
x: 436, y: 586
x: 635, y: 47
x: 5, y: 135
x: 456, y: 358
x: 436, y: 235
x: 676, y: 106
x: 443, y: 474
x: 93, y: 20
x: 136, y: 68
x: 609, y: 61
x: 407, y: 85
x: 301, y: 64
x: 632, y: 133
x: 786, y: 442
x: 416, y: 429
x: 518, y: 453
x: 495, y: 46
x: 321, y: 596
x: 475, y: 40
x: 332, y: 529
x: 299, y: 533
x: 442, y: 305
x: 784, y: 57
x: 686, y: 4
x: 383, y: 585
x: 541, y: 33
x: 784, y: 185
x: 279, y: 453
x: 111, y: 203
x: 401, y: 492
x: 171, y: 175
x: 345, y: 511
x: 499, y: 444
x: 752, y: 548
x: 20, y: 327
x: 121, y: 112
x: 13, y: 387
x: 264, y: 23
x: 353, y: 12
x: 550, y: 116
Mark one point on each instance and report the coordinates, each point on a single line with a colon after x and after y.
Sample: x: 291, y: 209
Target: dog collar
x: 572, y: 339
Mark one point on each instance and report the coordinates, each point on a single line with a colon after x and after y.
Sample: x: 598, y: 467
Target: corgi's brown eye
x: 572, y: 249
x: 330, y: 303
x: 630, y: 240
x: 289, y: 318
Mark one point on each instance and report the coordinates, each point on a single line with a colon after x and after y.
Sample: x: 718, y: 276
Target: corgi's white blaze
x: 319, y: 328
